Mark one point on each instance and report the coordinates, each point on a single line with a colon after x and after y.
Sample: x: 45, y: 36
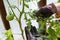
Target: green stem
x: 19, y: 21
x: 11, y: 9
x: 21, y: 29
x: 18, y: 9
x: 21, y: 13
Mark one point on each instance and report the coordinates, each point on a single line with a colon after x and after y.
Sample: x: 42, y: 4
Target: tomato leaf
x: 9, y: 38
x: 52, y: 33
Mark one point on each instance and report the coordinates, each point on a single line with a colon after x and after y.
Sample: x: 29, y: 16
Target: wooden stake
x: 3, y: 15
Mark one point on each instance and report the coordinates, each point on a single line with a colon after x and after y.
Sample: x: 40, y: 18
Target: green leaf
x: 51, y: 17
x: 42, y: 23
x: 52, y: 38
x: 53, y: 23
x: 31, y: 15
x: 9, y: 38
x: 8, y: 32
x: 29, y: 23
x: 52, y: 33
x: 34, y: 11
x: 58, y: 31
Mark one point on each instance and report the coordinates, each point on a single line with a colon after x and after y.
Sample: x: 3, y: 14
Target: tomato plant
x: 53, y: 31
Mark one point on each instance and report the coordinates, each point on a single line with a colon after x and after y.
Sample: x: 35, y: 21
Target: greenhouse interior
x: 29, y: 19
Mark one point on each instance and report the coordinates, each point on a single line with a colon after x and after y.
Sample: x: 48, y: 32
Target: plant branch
x: 21, y: 29
x: 18, y: 9
x: 21, y: 13
x: 11, y: 9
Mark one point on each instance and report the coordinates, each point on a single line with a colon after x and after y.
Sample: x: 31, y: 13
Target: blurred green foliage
x: 58, y: 0
x: 8, y: 34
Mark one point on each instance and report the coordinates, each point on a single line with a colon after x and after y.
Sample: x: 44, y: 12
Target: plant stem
x: 21, y: 13
x: 21, y: 29
x: 19, y: 21
x: 11, y: 9
x: 18, y: 9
